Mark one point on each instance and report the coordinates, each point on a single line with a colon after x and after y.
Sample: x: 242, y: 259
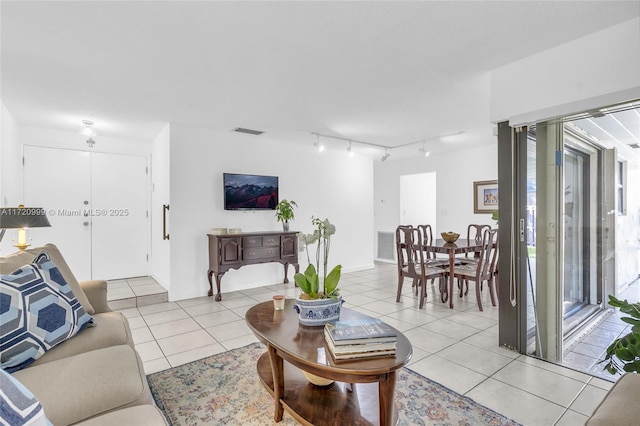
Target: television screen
x: 250, y: 192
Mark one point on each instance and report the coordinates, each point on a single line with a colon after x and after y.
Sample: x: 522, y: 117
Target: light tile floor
x: 586, y: 353
x: 132, y: 292
x: 455, y: 347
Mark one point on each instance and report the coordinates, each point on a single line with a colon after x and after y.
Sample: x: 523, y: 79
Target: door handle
x: 165, y: 209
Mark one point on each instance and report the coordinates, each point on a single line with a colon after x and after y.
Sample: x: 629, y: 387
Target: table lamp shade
x: 23, y: 217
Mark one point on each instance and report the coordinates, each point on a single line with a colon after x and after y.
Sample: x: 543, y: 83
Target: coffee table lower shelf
x: 336, y: 404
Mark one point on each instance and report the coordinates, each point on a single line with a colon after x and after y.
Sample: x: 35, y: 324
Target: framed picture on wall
x: 485, y: 196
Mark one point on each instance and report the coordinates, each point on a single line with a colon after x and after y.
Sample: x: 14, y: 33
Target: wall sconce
x: 22, y: 218
x: 386, y: 155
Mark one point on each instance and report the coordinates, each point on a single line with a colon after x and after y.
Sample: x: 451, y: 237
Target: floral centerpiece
x: 316, y: 306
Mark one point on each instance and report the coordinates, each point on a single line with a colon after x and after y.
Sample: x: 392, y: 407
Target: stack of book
x: 362, y: 338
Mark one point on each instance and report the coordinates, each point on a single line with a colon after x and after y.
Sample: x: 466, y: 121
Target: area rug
x: 224, y: 389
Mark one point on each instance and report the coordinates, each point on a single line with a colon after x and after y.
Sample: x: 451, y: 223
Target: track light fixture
x: 423, y: 150
x: 319, y: 146
x: 386, y: 155
x: 350, y: 151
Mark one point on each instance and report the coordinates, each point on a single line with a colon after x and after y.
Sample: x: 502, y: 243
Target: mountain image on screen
x: 248, y: 192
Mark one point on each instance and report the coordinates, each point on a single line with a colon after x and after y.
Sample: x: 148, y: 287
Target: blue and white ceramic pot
x: 318, y: 311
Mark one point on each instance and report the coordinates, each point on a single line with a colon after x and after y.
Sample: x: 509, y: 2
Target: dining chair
x: 481, y: 270
x: 413, y: 262
x: 474, y: 233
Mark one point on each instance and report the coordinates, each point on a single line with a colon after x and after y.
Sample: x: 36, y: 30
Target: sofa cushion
x: 86, y: 385
x: 140, y: 415
x: 38, y: 311
x: 111, y: 329
x: 18, y: 406
x: 14, y: 261
x: 620, y: 406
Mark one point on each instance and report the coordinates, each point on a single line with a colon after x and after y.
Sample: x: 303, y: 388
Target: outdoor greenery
x: 623, y: 355
x: 309, y: 281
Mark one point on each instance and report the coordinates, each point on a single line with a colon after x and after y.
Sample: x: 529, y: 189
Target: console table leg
x: 277, y: 369
x: 218, y: 279
x: 286, y: 270
x: 210, y: 292
x: 386, y: 389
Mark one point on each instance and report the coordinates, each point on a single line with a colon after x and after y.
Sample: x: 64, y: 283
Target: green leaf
x: 302, y: 282
x: 624, y: 354
x: 331, y: 282
x: 308, y: 282
x: 631, y: 321
x: 632, y: 367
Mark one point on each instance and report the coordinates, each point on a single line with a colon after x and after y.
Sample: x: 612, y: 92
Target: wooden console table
x: 233, y: 251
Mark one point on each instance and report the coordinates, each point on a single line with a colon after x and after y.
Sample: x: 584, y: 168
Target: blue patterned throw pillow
x: 38, y: 310
x: 18, y: 406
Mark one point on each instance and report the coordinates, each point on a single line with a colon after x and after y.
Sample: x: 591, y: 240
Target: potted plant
x: 284, y: 212
x: 623, y: 355
x: 316, y: 306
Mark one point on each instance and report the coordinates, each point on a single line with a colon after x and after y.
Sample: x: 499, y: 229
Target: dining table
x: 461, y: 246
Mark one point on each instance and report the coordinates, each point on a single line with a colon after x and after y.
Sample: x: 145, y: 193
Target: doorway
x: 417, y: 195
x: 97, y: 206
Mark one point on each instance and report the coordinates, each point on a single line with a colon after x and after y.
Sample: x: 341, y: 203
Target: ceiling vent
x: 249, y: 131
x: 634, y: 145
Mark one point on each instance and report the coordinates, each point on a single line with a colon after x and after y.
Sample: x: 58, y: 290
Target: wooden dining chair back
x: 413, y: 262
x: 483, y: 269
x: 475, y: 233
x: 427, y: 238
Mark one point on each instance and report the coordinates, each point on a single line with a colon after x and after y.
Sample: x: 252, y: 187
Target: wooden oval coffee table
x: 363, y: 391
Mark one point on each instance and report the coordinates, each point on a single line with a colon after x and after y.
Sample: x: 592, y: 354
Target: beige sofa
x: 620, y: 406
x: 96, y: 377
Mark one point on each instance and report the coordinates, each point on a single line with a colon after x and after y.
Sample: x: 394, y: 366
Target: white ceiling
x: 383, y: 72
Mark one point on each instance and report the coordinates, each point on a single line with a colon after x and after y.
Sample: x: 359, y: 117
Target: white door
x: 119, y: 220
x: 59, y: 181
x: 97, y: 206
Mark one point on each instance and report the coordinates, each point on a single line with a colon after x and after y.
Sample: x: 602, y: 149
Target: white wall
x: 455, y: 174
x: 10, y: 170
x: 593, y: 71
x: 160, y: 194
x: 327, y: 184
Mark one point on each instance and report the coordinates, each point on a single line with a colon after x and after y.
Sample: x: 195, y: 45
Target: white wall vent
x: 386, y: 246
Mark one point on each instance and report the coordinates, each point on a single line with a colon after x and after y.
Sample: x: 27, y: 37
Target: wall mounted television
x: 250, y: 192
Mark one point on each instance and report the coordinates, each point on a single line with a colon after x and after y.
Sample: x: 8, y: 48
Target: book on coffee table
x: 360, y: 331
x: 357, y: 348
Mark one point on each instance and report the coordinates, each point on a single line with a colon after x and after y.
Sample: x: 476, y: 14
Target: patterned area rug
x: 224, y: 389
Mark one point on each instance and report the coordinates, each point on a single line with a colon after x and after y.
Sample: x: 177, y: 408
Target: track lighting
x: 350, y: 151
x: 380, y: 146
x: 318, y: 145
x: 423, y: 150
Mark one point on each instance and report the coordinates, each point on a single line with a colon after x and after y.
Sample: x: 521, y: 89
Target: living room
x: 188, y: 152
